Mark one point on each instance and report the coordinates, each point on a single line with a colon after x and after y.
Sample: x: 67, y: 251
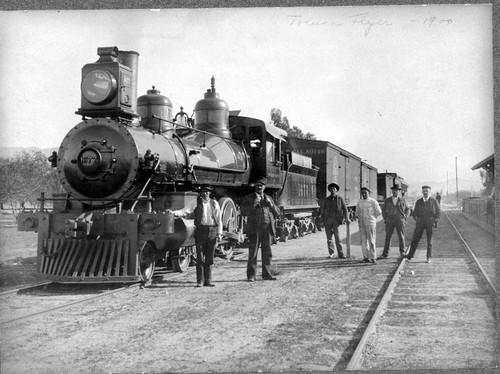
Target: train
x: 130, y: 162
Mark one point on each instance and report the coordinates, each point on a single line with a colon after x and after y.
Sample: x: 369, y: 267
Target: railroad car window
x: 277, y: 150
x: 255, y: 137
x: 270, y: 151
x: 255, y: 132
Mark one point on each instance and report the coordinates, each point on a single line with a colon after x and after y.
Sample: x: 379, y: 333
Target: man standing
x: 208, y: 232
x: 207, y: 220
x: 261, y: 212
x: 395, y: 212
x: 367, y: 211
x: 438, y: 198
x: 426, y: 214
x: 333, y: 213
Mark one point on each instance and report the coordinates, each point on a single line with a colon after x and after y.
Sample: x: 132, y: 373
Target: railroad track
x: 30, y: 302
x: 437, y: 315
x: 37, y: 299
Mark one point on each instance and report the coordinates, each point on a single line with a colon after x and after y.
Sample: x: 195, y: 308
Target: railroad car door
x: 353, y: 181
x: 373, y: 182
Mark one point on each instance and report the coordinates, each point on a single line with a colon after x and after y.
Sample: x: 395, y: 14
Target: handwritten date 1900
x: 432, y: 21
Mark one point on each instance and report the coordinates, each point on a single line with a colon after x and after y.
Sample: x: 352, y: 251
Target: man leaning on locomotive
x: 208, y: 233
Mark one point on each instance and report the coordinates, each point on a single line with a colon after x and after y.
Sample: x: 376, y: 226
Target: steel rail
x: 16, y: 290
x: 28, y: 316
x: 354, y: 362
x: 473, y: 257
x: 104, y: 294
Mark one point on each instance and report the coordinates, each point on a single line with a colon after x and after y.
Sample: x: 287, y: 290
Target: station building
x: 481, y: 210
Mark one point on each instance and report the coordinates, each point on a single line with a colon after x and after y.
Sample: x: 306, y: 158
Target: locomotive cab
x: 263, y: 143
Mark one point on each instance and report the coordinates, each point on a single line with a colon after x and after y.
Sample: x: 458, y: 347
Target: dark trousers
x: 390, y: 225
x: 333, y: 231
x: 417, y: 234
x: 205, y: 237
x: 261, y: 238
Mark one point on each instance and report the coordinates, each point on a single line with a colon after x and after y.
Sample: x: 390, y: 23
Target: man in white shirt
x: 208, y: 233
x: 367, y: 211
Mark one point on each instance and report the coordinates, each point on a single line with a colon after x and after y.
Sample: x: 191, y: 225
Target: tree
x: 24, y: 177
x: 292, y: 132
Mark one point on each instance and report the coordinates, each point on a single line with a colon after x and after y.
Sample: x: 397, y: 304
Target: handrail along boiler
x: 130, y: 160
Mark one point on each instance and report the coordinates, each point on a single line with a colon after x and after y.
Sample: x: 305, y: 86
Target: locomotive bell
x: 211, y: 114
x: 154, y: 104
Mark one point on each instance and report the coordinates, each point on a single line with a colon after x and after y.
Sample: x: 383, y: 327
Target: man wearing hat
x: 395, y: 212
x: 426, y: 214
x: 208, y: 232
x: 367, y: 211
x: 261, y: 212
x: 333, y: 213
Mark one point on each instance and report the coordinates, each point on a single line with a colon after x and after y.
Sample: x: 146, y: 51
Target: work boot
x: 208, y: 283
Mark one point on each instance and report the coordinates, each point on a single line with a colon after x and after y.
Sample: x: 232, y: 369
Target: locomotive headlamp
x: 99, y: 86
x: 109, y: 85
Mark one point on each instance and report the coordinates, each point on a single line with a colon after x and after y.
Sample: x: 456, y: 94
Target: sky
x: 409, y: 89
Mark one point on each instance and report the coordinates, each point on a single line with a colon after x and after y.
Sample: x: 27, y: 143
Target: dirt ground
x: 304, y: 321
x: 17, y: 254
x: 310, y: 319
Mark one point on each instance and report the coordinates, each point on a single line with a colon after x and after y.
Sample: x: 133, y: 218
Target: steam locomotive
x: 130, y: 162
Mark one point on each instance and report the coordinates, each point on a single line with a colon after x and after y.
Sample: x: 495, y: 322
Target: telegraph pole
x: 456, y: 179
x: 447, y: 193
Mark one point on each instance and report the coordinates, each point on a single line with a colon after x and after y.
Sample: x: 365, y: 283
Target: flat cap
x: 205, y: 187
x: 261, y: 180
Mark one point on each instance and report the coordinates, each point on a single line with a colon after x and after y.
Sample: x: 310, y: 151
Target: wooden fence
x: 480, y: 211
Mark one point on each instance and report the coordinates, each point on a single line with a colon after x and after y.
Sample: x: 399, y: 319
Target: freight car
x: 385, y: 181
x: 129, y: 162
x: 337, y: 165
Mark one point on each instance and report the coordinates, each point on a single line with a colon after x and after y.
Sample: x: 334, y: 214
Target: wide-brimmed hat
x: 395, y: 187
x: 261, y: 180
x: 365, y: 189
x: 333, y: 185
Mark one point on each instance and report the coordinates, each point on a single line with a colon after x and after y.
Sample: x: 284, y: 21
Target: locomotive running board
x: 93, y: 261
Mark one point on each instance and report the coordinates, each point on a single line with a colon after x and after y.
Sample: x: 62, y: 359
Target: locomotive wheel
x: 146, y: 262
x: 181, y: 261
x: 229, y: 217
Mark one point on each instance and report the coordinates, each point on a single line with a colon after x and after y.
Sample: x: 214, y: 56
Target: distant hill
x: 10, y: 152
x: 442, y: 187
